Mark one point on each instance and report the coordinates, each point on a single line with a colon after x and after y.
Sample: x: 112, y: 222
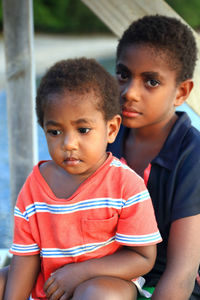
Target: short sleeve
x: 24, y: 242
x: 137, y: 225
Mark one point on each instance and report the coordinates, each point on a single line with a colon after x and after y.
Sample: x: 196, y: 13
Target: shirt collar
x: 171, y: 148
x: 166, y: 157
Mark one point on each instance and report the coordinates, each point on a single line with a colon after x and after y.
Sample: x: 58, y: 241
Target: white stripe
x: 25, y: 248
x: 39, y: 207
x: 58, y: 252
x: 138, y: 239
x: 74, y: 251
x: 140, y: 197
x: 18, y: 213
x: 118, y: 164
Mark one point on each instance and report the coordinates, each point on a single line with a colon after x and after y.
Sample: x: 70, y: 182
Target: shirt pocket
x: 99, y: 231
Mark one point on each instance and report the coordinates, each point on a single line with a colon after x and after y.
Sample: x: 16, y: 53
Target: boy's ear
x: 183, y: 91
x: 113, y: 126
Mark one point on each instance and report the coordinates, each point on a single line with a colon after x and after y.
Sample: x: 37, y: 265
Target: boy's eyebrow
x: 51, y: 123
x: 151, y: 74
x: 86, y: 121
x: 120, y: 65
x: 145, y: 74
x: 78, y: 121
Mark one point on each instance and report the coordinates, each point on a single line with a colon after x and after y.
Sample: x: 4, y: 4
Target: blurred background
x: 73, y: 17
x: 65, y: 29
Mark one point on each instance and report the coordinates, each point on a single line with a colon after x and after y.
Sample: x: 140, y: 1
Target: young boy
x: 155, y: 62
x: 84, y: 222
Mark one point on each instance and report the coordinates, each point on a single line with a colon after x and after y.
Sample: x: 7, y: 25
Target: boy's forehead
x: 142, y: 49
x: 66, y: 112
x: 74, y: 98
x: 90, y: 95
x: 146, y: 53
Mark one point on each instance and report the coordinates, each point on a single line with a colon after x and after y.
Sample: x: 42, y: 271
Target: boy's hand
x: 126, y: 263
x: 63, y: 282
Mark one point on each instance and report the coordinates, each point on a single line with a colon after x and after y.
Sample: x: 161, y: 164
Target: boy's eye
x: 54, y: 132
x: 84, y: 130
x: 152, y: 83
x: 122, y: 75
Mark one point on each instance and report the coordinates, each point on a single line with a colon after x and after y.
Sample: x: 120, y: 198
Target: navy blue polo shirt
x: 174, y: 184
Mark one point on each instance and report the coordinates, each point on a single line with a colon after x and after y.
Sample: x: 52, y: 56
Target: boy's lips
x: 130, y: 113
x: 71, y: 161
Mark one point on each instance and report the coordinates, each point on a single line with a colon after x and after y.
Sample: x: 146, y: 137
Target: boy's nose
x: 70, y: 142
x: 131, y: 91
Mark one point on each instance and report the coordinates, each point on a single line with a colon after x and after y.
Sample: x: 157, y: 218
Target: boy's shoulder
x: 120, y: 169
x: 182, y: 143
x: 34, y: 180
x: 191, y: 145
x: 124, y: 180
x: 192, y: 138
x: 183, y: 136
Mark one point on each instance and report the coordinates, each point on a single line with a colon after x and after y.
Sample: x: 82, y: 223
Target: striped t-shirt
x: 109, y: 209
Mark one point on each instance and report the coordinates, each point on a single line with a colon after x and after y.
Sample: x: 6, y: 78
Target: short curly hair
x: 80, y: 75
x: 168, y: 35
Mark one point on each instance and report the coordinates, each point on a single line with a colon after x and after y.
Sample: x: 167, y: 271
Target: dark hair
x: 167, y: 35
x: 80, y: 75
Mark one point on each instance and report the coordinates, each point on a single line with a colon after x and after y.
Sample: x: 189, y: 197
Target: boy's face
x: 76, y: 133
x: 147, y: 85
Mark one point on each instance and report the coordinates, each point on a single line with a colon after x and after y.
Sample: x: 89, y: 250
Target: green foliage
x: 65, y: 16
x: 188, y: 10
x: 1, y: 17
x: 73, y: 16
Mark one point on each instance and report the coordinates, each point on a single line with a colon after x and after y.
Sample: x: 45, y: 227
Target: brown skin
x: 145, y: 80
x: 3, y: 279
x: 106, y: 288
x: 21, y: 277
x: 125, y: 264
x: 150, y: 94
x: 78, y: 128
x: 183, y: 259
x: 105, y: 278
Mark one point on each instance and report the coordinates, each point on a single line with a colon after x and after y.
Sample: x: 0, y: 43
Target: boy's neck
x: 62, y: 183
x: 143, y: 145
x: 154, y: 133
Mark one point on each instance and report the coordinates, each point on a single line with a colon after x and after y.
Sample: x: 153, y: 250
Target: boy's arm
x: 127, y: 263
x: 21, y: 277
x: 183, y: 258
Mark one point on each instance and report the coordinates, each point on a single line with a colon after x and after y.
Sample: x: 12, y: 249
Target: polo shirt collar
x: 170, y: 151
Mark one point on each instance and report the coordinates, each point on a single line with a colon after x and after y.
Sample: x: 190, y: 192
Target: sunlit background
x: 64, y: 29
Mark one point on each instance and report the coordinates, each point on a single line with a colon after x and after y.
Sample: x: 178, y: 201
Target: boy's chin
x: 130, y: 123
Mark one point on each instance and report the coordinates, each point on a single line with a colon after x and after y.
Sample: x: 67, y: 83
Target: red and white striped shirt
x: 109, y: 209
